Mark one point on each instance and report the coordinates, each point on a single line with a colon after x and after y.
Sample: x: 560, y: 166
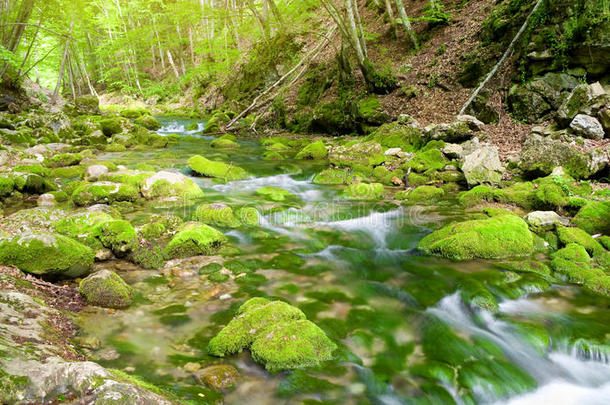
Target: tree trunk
x: 406, y: 23
x: 171, y: 62
x: 25, y: 11
x: 62, y: 65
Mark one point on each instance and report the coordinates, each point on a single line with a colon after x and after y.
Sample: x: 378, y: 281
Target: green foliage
x: 435, y: 14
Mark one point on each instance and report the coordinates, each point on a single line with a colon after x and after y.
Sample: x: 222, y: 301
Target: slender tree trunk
x: 388, y: 7
x: 63, y: 64
x: 25, y: 11
x: 171, y: 62
x: 406, y: 23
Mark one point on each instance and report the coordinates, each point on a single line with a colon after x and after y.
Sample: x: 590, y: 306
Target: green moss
x: 493, y: 238
x: 218, y: 277
x: 148, y: 122
x: 315, y: 151
x: 104, y: 192
x: 334, y: 176
x: 431, y: 159
x: 605, y: 241
x: 81, y: 227
x: 223, y: 143
x: 422, y: 195
x: 217, y: 215
x: 289, y: 345
x: 210, y: 268
x: 148, y: 258
x: 573, y: 262
x: 526, y: 266
x: 115, y: 147
x: 475, y: 294
x: 248, y: 216
x: 299, y: 382
x: 594, y: 217
x: 111, y: 126
x: 106, y: 289
x: 385, y: 176
x: 47, y: 254
x: 208, y: 168
x: 363, y: 191
x: 193, y: 240
x: 276, y: 333
x: 35, y: 169
x: 576, y: 235
x: 7, y: 185
x: 118, y: 236
x: 72, y: 172
x: 154, y: 230
x: 63, y: 160
x: 274, y: 193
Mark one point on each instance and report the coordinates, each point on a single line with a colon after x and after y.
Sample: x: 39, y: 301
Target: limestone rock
x: 94, y: 172
x: 218, y: 376
x: 544, y: 220
x: 483, y: 166
x: 46, y: 200
x: 472, y: 122
x: 587, y: 127
x: 458, y: 131
x: 604, y: 119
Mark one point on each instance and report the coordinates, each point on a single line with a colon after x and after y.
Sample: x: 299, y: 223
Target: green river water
x: 410, y: 328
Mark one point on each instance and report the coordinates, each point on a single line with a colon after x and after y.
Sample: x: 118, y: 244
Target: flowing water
x: 408, y: 327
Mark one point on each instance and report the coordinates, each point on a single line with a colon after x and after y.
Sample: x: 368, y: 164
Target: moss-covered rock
x: 398, y: 135
x: 7, y: 185
x: 572, y: 262
x: 431, y: 159
x: 111, y: 126
x: 334, y: 176
x: 47, y: 254
x: 118, y: 236
x: 148, y: 122
x: 81, y: 226
x: 217, y: 215
x: 106, y: 289
x: 225, y: 142
x: 494, y: 238
x: 170, y: 185
x: 248, y: 216
x: 208, y: 168
x: 594, y: 217
x: 63, y: 160
x: 314, y: 151
x: 421, y: 195
x: 576, y: 235
x: 277, y: 334
x: 194, y: 239
x: 363, y: 191
x: 104, y: 192
x: 274, y: 193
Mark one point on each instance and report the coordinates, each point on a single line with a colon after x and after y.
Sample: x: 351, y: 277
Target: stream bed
x: 409, y: 328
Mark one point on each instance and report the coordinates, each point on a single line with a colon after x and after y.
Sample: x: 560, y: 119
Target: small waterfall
x: 581, y: 366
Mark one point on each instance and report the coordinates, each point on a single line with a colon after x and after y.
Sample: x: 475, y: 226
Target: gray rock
x: 587, y: 127
x: 454, y: 132
x: 540, y: 156
x: 37, y: 374
x: 453, y: 151
x: 544, y: 220
x: 604, y: 120
x: 472, y: 122
x: 3, y: 157
x: 95, y: 172
x: 483, y: 166
x: 46, y: 200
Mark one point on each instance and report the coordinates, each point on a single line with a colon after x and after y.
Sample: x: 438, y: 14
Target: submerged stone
x: 277, y: 334
x: 106, y: 289
x: 209, y: 168
x: 194, y: 239
x: 217, y: 214
x: 363, y: 191
x: 274, y: 193
x: 494, y: 238
x: 219, y: 377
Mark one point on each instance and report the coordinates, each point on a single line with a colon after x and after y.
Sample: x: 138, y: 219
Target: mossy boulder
x: 357, y: 155
x: 594, y: 217
x: 430, y: 159
x: 576, y: 235
x: 494, y: 238
x: 63, y: 160
x: 47, y: 254
x: 7, y: 185
x: 118, y: 236
x: 148, y: 122
x: 217, y: 215
x: 111, y: 126
x: 194, y: 239
x: 104, y: 192
x: 170, y: 185
x: 277, y: 334
x: 209, y: 168
x: 106, y: 289
x: 334, y: 176
x: 398, y: 135
x: 249, y: 216
x: 87, y: 105
x: 363, y: 191
x: 421, y: 195
x: 540, y: 156
x: 314, y: 151
x: 225, y: 142
x: 80, y: 226
x: 274, y: 193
